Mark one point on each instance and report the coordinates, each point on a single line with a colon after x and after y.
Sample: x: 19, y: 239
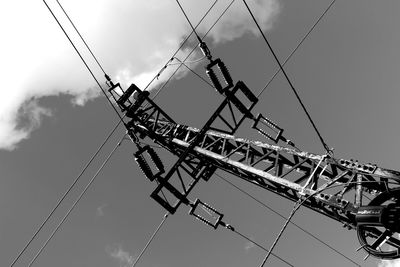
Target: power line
x: 195, y: 73
x: 194, y: 48
x: 176, y: 52
x: 151, y: 239
x: 283, y: 217
x: 93, y: 156
x: 296, y: 206
x: 327, y: 148
x: 283, y: 64
x: 83, y: 60
x: 188, y: 20
x: 257, y: 244
x: 65, y: 195
x: 179, y: 48
x: 83, y: 40
x: 75, y: 203
x: 297, y: 46
x: 188, y: 62
x: 105, y: 141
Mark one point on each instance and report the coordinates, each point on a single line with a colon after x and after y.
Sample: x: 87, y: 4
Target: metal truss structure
x: 363, y: 197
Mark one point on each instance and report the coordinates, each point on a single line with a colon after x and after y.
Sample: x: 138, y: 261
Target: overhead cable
x: 283, y: 217
x: 176, y: 52
x: 119, y: 122
x: 258, y: 245
x: 151, y: 239
x: 297, y: 47
x: 327, y: 148
x: 75, y: 203
x: 83, y: 60
x: 195, y: 73
x: 83, y: 40
x: 188, y: 20
x: 94, y: 155
x: 65, y: 195
x: 296, y: 206
x: 194, y: 48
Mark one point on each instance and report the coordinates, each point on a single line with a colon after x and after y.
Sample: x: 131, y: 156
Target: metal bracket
x: 239, y: 102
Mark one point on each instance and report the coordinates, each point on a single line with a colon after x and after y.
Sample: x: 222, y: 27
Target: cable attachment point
x: 163, y: 68
x: 108, y: 79
x: 227, y: 226
x: 156, y: 168
x: 133, y: 136
x: 223, y: 71
x: 205, y: 50
x: 207, y: 214
x: 121, y: 97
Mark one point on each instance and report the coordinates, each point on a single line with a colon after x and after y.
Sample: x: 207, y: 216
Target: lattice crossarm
x: 323, y: 203
x: 363, y: 169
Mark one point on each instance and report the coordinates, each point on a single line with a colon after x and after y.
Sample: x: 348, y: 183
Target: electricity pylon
x: 363, y: 197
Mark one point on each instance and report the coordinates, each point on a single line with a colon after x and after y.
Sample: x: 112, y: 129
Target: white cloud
x: 124, y: 258
x: 393, y: 263
x: 249, y: 245
x: 100, y: 210
x: 132, y: 40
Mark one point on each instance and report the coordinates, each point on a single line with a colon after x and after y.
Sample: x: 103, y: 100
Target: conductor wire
x: 65, y: 195
x: 296, y: 206
x: 151, y: 239
x: 258, y: 245
x: 194, y: 48
x: 327, y: 148
x: 195, y: 73
x: 75, y: 203
x: 83, y: 60
x: 297, y: 47
x: 188, y: 20
x: 283, y: 217
x: 176, y: 52
x: 83, y: 40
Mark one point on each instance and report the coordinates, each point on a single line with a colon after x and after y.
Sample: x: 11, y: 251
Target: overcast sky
x: 52, y: 118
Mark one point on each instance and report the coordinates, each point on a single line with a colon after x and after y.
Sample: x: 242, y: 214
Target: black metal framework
x: 150, y: 120
x: 336, y: 188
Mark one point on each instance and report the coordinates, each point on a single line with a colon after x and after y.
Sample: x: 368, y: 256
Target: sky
x: 53, y: 118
